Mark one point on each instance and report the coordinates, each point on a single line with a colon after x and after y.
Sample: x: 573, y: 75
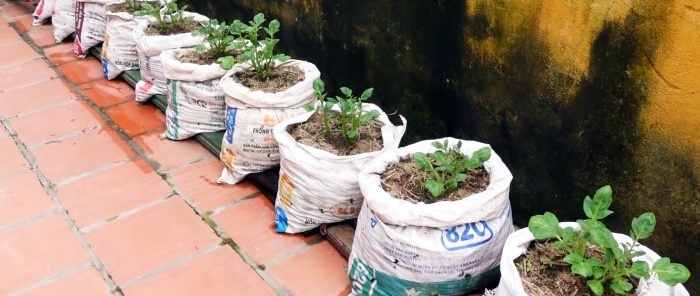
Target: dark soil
x: 201, y: 58
x: 310, y: 133
x: 170, y: 29
x: 544, y: 274
x: 281, y: 78
x: 405, y: 179
x: 123, y: 7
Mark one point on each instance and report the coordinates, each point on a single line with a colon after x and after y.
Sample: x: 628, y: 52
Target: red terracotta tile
x: 81, y: 71
x: 87, y: 282
x: 24, y: 23
x: 198, y: 184
x: 49, y: 125
x: 22, y: 197
x: 96, y: 198
x: 211, y: 275
x: 36, y: 251
x: 16, y: 10
x: 80, y: 154
x: 15, y: 53
x: 25, y: 73
x: 8, y: 35
x: 138, y: 244
x: 44, y: 94
x: 105, y: 93
x: 60, y: 54
x: 41, y: 35
x: 251, y: 225
x: 170, y: 153
x: 135, y: 119
x: 321, y: 261
x: 12, y: 160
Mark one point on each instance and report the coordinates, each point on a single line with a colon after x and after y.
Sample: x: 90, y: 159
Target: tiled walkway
x: 93, y: 203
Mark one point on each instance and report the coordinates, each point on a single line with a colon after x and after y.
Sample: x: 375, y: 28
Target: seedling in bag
x: 351, y: 116
x: 220, y: 42
x: 166, y: 16
x: 616, y: 268
x: 258, y: 51
x: 447, y: 167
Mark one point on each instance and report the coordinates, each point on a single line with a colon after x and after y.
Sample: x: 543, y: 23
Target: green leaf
x: 597, y: 208
x: 259, y: 19
x: 352, y: 134
x: 460, y: 177
x: 603, y: 237
x: 366, y: 94
x: 200, y: 47
x: 309, y: 107
x: 435, y: 188
x: 620, y: 285
x: 573, y: 258
x: 226, y: 63
x: 596, y: 286
x: 319, y: 85
x: 273, y: 27
x: 346, y: 91
x: 640, y: 269
x: 422, y: 160
x: 582, y: 269
x: 438, y: 145
x: 544, y: 226
x: 482, y: 155
x: 670, y: 273
x: 643, y: 226
x: 369, y: 116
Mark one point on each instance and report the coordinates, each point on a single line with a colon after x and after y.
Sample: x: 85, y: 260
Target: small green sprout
x: 447, y: 167
x: 259, y: 52
x: 351, y: 116
x: 166, y: 15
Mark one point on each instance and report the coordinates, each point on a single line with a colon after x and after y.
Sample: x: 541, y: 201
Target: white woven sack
x: 63, y: 19
x: 518, y: 242
x: 317, y: 186
x: 195, y: 100
x: 119, y: 48
x: 42, y: 12
x: 90, y: 22
x: 248, y: 145
x: 443, y: 248
x: 153, y: 81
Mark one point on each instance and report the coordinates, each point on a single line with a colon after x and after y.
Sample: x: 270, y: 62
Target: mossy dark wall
x: 562, y: 133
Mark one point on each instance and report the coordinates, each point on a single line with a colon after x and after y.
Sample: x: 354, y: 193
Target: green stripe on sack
x: 368, y: 281
x: 173, y: 103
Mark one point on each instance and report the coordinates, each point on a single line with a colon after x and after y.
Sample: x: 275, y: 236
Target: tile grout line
x: 64, y: 273
x: 268, y: 279
x: 50, y: 189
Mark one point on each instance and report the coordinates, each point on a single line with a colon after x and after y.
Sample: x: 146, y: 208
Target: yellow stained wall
x: 569, y: 27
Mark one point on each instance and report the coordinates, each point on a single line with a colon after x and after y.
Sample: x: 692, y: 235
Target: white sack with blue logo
x: 317, y: 186
x: 195, y: 99
x: 443, y: 248
x: 149, y: 47
x: 248, y: 145
x: 119, y: 48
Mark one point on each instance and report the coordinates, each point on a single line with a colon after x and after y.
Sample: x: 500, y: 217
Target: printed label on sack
x: 284, y: 191
x: 466, y: 236
x: 230, y: 123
